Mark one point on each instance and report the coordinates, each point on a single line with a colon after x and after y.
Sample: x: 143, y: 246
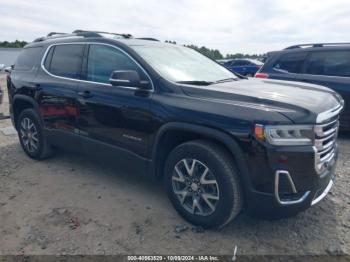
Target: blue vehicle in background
x: 244, y: 66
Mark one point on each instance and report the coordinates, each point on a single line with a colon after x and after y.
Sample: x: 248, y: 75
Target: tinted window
x: 103, y: 60
x: 28, y: 58
x: 228, y: 63
x: 49, y: 58
x: 290, y: 63
x: 66, y: 60
x: 331, y: 63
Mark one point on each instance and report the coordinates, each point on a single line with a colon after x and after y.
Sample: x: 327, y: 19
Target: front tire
x: 202, y: 183
x: 31, y: 135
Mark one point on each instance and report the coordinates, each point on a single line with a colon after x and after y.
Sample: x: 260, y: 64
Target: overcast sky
x: 248, y: 26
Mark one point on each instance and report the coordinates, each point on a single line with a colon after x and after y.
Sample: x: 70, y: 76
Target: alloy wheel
x: 29, y: 135
x: 195, y: 187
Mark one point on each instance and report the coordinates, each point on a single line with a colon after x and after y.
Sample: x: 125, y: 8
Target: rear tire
x: 31, y: 135
x: 202, y: 183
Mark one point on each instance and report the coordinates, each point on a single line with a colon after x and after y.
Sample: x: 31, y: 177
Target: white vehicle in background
x: 2, y: 66
x: 223, y: 61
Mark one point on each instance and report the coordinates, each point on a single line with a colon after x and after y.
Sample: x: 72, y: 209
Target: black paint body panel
x: 127, y: 125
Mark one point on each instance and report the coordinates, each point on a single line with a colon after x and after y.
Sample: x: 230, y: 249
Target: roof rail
x: 84, y: 32
x: 147, y: 38
x: 315, y: 45
x: 54, y: 33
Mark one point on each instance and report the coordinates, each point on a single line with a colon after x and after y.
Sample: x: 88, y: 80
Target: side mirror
x: 8, y: 69
x: 128, y: 78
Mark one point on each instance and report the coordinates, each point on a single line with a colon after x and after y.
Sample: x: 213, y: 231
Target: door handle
x: 85, y: 94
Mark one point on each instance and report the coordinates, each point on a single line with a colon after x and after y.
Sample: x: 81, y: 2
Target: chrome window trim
x: 347, y: 77
x: 93, y: 82
x: 304, y: 74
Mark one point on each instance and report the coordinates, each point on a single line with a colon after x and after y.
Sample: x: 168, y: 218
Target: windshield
x: 182, y: 64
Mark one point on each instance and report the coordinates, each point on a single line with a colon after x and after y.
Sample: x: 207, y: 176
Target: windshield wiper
x: 196, y: 82
x: 225, y: 80
x: 206, y: 83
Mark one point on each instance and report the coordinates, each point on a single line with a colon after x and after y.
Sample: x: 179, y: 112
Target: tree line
x: 216, y: 54
x: 211, y: 53
x: 15, y: 44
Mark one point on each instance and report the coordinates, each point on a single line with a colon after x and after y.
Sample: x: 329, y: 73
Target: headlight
x: 293, y: 135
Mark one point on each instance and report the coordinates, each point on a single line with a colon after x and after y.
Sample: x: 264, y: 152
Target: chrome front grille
x: 325, y: 143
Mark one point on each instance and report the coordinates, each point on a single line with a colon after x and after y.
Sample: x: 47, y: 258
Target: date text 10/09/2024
x: 173, y: 258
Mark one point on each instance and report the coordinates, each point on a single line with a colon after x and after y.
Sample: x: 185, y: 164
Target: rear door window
x: 66, y: 60
x: 28, y: 58
x: 329, y: 63
x: 290, y: 63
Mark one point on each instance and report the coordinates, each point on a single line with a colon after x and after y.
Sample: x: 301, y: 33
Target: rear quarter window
x: 28, y: 58
x: 329, y: 63
x: 290, y: 63
x: 65, y: 60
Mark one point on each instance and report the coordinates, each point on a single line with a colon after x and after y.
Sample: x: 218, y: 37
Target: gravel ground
x: 70, y: 204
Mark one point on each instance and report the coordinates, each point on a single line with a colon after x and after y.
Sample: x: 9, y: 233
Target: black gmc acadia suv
x: 221, y: 142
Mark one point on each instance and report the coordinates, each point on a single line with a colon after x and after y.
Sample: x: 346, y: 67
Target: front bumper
x: 264, y: 205
x: 323, y: 193
x: 285, y: 180
x: 307, y: 188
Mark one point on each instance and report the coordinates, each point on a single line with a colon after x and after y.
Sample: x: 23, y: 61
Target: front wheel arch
x: 199, y: 132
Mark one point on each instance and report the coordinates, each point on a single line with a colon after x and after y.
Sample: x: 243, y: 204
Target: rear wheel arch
x: 20, y: 103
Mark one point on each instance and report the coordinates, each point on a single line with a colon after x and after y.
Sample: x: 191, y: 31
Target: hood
x: 300, y: 102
